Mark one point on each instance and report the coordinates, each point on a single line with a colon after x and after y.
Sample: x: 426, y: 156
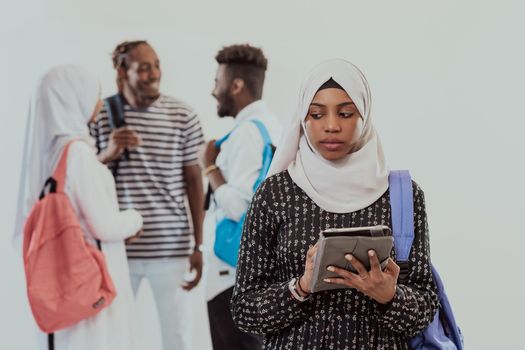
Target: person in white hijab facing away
x: 329, y: 171
x: 66, y: 99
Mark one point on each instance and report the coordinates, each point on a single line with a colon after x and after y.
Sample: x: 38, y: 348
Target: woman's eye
x: 346, y: 114
x: 316, y: 115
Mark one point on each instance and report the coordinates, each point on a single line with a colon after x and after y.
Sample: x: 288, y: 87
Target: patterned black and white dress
x: 281, y: 224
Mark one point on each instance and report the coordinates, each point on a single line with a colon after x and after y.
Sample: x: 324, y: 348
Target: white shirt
x: 240, y: 163
x: 91, y: 190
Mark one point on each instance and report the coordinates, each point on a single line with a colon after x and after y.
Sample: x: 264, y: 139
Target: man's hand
x: 209, y: 153
x: 119, y: 140
x: 135, y: 236
x: 195, y: 265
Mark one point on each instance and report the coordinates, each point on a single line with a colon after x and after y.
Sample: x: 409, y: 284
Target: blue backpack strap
x: 264, y: 132
x: 229, y: 232
x: 267, y: 153
x: 220, y: 141
x: 262, y: 129
x: 267, y: 150
x: 402, y: 206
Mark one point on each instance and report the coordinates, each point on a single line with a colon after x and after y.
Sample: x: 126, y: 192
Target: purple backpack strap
x: 442, y: 333
x: 402, y: 206
x: 453, y: 331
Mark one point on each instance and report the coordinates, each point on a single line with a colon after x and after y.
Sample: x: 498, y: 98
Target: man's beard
x: 148, y: 98
x: 145, y: 97
x: 226, y: 106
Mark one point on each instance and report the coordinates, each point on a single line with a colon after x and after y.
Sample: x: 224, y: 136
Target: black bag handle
x: 115, y: 109
x: 52, y: 187
x: 51, y: 341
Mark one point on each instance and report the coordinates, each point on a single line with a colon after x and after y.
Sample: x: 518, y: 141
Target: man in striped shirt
x: 154, y: 161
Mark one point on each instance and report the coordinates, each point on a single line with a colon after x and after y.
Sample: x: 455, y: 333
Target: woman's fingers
x: 392, y: 268
x: 312, y: 251
x: 341, y: 281
x: 309, y: 265
x: 343, y: 273
x: 375, y: 267
x: 376, y: 284
x: 361, y: 270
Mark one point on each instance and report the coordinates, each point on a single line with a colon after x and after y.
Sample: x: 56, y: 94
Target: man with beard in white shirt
x: 232, y: 171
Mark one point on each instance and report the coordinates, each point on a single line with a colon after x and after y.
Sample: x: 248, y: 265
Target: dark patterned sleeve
x: 262, y: 303
x: 416, y: 300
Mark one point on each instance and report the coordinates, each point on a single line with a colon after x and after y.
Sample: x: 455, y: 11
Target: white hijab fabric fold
x: 351, y: 183
x: 61, y: 106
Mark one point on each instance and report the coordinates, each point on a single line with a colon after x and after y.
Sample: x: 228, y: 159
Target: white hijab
x: 351, y: 183
x: 61, y: 106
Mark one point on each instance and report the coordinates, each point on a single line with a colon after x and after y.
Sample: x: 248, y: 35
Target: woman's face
x: 331, y: 123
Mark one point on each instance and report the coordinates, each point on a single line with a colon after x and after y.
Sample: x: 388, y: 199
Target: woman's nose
x: 332, y: 123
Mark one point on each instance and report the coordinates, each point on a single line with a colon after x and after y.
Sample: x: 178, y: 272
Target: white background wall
x: 447, y: 79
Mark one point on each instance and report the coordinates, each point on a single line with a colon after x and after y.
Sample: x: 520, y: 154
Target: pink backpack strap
x: 60, y: 172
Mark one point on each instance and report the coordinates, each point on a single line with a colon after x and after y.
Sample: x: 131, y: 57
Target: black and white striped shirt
x: 152, y: 180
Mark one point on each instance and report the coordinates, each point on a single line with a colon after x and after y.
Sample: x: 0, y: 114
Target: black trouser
x: 224, y: 333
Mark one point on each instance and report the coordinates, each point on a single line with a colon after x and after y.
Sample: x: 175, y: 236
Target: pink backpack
x: 67, y: 278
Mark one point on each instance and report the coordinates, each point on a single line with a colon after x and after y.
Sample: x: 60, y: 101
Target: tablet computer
x: 335, y: 243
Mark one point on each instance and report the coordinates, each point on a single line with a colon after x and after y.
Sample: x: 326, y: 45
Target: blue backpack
x: 442, y: 333
x: 228, y: 232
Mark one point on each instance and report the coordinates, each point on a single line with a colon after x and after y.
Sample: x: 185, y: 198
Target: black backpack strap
x: 207, y: 198
x: 52, y: 184
x: 115, y: 109
x: 51, y: 341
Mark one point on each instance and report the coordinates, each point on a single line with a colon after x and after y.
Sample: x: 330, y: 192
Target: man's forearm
x: 194, y: 188
x: 216, y: 179
x: 102, y: 158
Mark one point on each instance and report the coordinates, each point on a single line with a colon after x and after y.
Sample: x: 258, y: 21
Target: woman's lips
x: 332, y: 145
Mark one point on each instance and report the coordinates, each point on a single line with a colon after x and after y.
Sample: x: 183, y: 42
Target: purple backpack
x: 442, y: 333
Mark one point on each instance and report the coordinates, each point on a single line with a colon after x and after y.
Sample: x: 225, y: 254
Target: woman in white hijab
x: 329, y: 171
x: 65, y: 100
